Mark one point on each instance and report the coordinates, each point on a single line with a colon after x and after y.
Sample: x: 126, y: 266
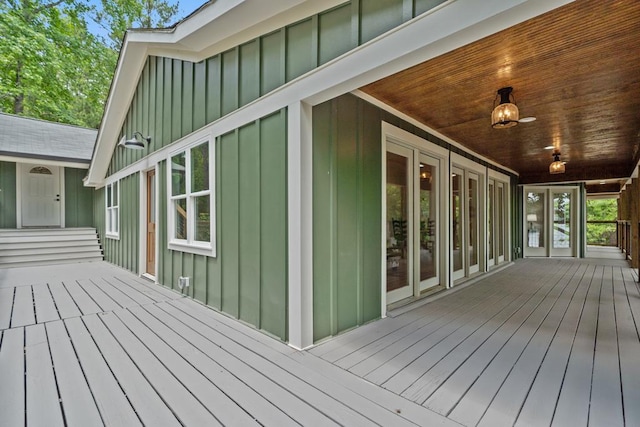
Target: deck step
x: 31, y: 247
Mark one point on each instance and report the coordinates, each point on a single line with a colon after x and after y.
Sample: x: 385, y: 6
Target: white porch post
x: 300, y: 225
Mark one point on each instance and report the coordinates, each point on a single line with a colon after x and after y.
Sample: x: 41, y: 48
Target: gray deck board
x: 183, y: 340
x: 23, y: 309
x: 75, y: 396
x: 43, y: 404
x: 64, y: 303
x: 559, y: 347
x: 144, y: 397
x: 197, y: 385
x: 12, y: 410
x: 114, y: 406
x: 45, y: 307
x: 6, y: 305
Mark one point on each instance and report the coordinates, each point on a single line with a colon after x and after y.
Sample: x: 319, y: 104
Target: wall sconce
x: 135, y: 143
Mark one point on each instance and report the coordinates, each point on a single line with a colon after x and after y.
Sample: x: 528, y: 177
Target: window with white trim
x: 112, y: 203
x: 191, y: 202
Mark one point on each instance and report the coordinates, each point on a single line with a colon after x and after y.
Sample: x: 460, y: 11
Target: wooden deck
x: 544, y: 342
x: 90, y: 344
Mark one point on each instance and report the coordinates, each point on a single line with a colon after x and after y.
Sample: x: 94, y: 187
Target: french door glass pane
x: 473, y: 222
x: 561, y: 220
x: 490, y: 219
x: 456, y: 215
x: 500, y: 223
x: 535, y: 220
x: 397, y: 218
x: 428, y: 209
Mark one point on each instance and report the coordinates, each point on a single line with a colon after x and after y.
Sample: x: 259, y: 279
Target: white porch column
x: 300, y: 224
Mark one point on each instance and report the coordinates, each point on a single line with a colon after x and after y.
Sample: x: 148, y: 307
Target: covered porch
x: 540, y: 342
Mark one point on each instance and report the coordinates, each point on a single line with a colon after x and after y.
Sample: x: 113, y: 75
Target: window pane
x: 115, y: 193
x: 200, y: 168
x: 535, y: 219
x: 109, y: 195
x: 428, y: 208
x: 456, y: 217
x: 181, y: 219
x: 473, y: 222
x: 561, y: 220
x: 178, y: 174
x: 203, y: 218
x: 397, y: 216
x: 114, y: 220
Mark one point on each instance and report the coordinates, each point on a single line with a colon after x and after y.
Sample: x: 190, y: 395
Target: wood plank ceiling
x: 576, y: 69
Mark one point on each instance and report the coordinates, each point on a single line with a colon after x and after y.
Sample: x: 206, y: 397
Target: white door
x: 41, y: 201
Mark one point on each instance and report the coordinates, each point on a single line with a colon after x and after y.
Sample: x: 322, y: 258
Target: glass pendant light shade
x: 505, y: 114
x: 557, y: 166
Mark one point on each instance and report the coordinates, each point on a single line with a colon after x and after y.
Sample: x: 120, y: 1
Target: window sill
x: 206, y: 250
x: 112, y: 236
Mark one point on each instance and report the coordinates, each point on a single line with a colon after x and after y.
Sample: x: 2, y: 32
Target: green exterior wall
x: 8, y: 195
x: 347, y: 144
x: 123, y: 251
x: 78, y: 199
x: 175, y: 97
x: 248, y: 277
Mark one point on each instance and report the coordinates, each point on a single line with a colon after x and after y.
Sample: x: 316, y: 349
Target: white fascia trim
x: 448, y: 27
x: 44, y: 162
x: 465, y: 163
x: 493, y: 174
x: 215, y: 28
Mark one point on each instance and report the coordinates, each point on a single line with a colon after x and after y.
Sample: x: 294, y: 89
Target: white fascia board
x: 215, y: 28
x: 45, y: 162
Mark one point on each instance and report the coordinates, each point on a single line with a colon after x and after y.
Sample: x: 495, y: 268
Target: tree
x: 116, y: 16
x: 51, y: 67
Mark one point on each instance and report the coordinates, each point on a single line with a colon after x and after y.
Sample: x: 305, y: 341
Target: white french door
x: 496, y: 222
x: 411, y: 221
x: 550, y: 221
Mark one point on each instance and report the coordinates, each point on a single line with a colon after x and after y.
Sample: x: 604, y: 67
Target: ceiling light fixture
x: 505, y: 114
x: 556, y: 166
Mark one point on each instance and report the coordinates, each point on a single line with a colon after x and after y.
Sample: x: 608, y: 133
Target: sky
x: 186, y: 7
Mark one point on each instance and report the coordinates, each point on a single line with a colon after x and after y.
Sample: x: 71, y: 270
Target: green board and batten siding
x: 248, y: 277
x: 347, y: 200
x: 175, y: 97
x: 78, y: 199
x: 8, y: 197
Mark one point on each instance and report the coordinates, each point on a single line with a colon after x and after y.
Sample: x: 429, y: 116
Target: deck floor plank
x: 206, y: 359
x: 629, y: 344
x: 156, y: 292
x: 572, y: 407
x: 606, y: 390
x: 23, y: 308
x: 143, y: 397
x: 101, y: 297
x: 77, y: 400
x: 324, y: 402
x: 114, y: 406
x: 65, y: 305
x: 172, y: 392
x: 506, y: 405
x: 447, y: 396
x: 6, y: 306
x: 121, y: 298
x: 43, y: 402
x: 540, y: 403
x: 85, y: 303
x: 199, y: 386
x: 134, y: 290
x: 45, y: 307
x: 12, y: 392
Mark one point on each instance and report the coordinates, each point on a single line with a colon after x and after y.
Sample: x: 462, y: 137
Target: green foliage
x: 601, y: 210
x: 51, y: 67
x: 116, y: 16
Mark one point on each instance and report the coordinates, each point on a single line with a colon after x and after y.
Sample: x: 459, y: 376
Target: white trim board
x: 44, y: 162
x: 429, y: 35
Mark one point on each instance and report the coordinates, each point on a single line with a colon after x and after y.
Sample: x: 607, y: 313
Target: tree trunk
x: 18, y: 100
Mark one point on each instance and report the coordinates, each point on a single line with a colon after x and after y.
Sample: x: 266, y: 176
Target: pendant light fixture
x: 556, y: 166
x: 505, y: 114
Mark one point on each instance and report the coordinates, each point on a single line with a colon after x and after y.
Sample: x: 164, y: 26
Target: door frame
x: 413, y: 142
x: 143, y: 224
x: 20, y: 170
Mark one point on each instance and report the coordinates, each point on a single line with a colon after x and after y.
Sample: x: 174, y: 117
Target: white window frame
x: 190, y: 245
x: 115, y: 206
